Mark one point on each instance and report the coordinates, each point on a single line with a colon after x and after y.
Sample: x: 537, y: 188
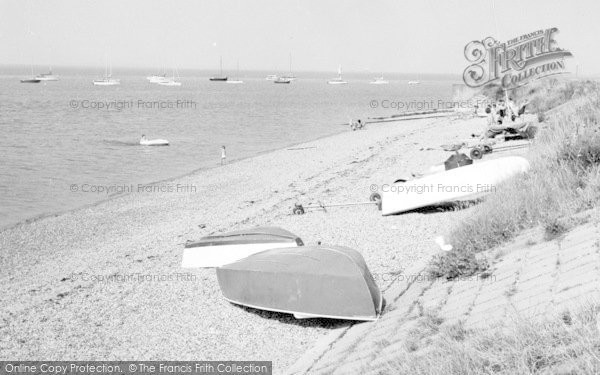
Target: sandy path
x: 53, y: 309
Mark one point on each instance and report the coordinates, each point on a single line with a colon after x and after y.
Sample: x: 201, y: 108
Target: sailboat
x: 47, y: 76
x: 289, y: 77
x: 156, y: 78
x: 172, y: 81
x: 379, y: 81
x: 237, y: 80
x: 220, y: 77
x: 338, y: 80
x: 107, y: 80
x: 32, y: 79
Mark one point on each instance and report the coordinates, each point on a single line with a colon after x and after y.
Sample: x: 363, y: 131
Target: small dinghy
x: 308, y: 282
x: 458, y: 184
x: 153, y: 142
x: 216, y: 251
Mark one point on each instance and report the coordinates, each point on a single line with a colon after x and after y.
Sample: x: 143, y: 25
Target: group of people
x: 502, y: 117
x: 356, y: 125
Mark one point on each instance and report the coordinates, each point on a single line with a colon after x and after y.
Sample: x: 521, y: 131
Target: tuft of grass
x: 456, y: 263
x: 568, y: 344
x: 564, y: 179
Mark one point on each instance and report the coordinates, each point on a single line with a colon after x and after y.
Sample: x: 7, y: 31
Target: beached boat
x: 218, y: 250
x: 220, y: 77
x: 308, y: 282
x: 47, y: 76
x: 465, y: 183
x: 338, y: 80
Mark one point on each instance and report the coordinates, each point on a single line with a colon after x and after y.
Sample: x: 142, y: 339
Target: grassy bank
x: 566, y: 345
x: 564, y: 179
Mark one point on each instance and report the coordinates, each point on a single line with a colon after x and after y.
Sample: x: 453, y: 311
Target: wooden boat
x: 216, y: 251
x: 464, y: 183
x: 308, y: 282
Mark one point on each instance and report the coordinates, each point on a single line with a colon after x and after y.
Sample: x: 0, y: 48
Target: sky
x: 416, y: 36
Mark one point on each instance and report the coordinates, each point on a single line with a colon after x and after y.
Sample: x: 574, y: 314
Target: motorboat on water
x: 379, y: 81
x: 107, y: 81
x: 414, y: 82
x: 169, y: 82
x: 222, y: 249
x: 308, y: 282
x: 282, y: 80
x: 47, y: 76
x: 174, y: 81
x: 271, y: 77
x: 157, y: 78
x: 153, y: 142
x: 338, y: 80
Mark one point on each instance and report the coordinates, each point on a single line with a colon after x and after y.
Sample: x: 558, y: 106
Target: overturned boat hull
x: 464, y: 183
x: 216, y: 251
x: 309, y: 282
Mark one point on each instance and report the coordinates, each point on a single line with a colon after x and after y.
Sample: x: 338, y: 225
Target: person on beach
x: 223, y: 156
x: 360, y: 124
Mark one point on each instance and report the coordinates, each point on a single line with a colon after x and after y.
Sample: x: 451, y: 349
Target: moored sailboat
x: 220, y: 77
x: 338, y: 80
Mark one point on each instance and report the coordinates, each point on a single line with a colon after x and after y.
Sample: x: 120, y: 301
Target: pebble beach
x: 105, y: 282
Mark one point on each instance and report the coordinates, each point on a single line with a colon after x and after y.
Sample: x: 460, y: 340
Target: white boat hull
x: 106, y: 83
x: 337, y: 82
x: 464, y: 183
x: 169, y: 83
x: 154, y: 142
x: 220, y: 255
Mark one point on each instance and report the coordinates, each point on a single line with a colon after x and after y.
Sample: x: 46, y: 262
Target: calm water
x: 48, y: 145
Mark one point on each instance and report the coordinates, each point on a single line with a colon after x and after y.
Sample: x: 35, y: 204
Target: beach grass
x: 564, y: 179
x: 566, y: 344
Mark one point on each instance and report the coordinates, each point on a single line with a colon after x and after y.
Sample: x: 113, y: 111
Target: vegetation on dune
x: 564, y: 179
x: 569, y: 344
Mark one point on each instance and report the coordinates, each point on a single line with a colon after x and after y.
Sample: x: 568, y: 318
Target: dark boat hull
x: 30, y: 81
x: 221, y: 79
x: 309, y: 282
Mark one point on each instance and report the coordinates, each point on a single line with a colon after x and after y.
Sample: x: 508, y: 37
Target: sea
x: 65, y: 143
